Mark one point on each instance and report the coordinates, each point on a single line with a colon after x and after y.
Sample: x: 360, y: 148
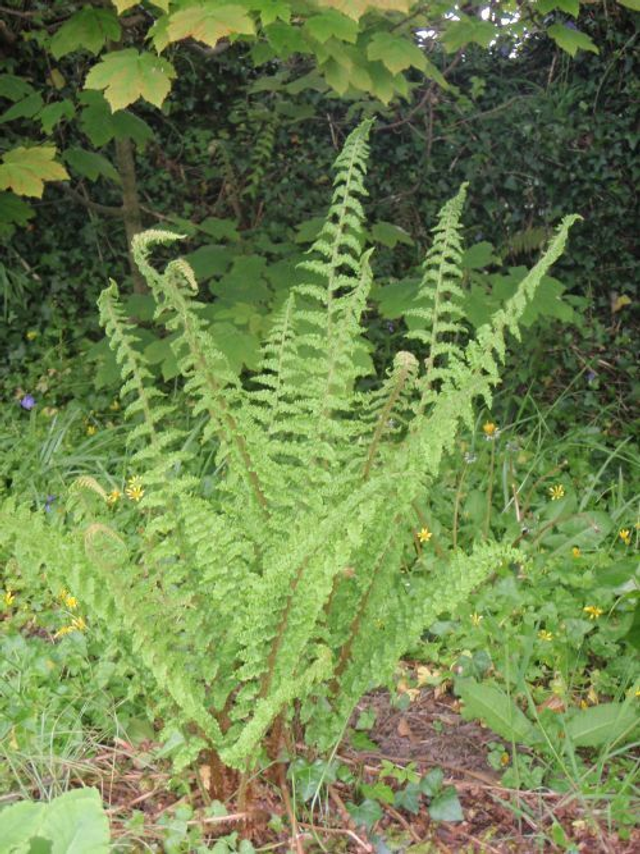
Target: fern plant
x: 289, y: 587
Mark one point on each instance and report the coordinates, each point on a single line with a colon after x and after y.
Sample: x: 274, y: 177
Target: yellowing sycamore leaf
x: 126, y: 75
x: 24, y: 170
x: 123, y: 5
x: 209, y: 23
x: 356, y: 8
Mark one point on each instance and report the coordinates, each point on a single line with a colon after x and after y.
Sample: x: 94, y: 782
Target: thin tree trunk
x: 130, y: 205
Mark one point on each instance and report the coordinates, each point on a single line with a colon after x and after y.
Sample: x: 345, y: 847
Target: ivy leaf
x: 24, y: 170
x: 91, y: 165
x: 570, y: 40
x: 209, y: 23
x: 396, y: 53
x: 431, y: 783
x: 52, y: 114
x: 13, y: 210
x: 14, y: 88
x: 466, y: 30
x: 126, y: 75
x: 356, y: 8
x: 408, y: 798
x: 446, y: 807
x: 332, y: 24
x: 365, y: 814
x: 89, y: 29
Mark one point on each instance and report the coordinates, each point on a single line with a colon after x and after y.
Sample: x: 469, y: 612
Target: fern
x: 289, y: 586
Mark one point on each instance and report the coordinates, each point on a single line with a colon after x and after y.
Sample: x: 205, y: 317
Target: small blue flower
x: 591, y: 375
x: 48, y: 502
x: 28, y: 402
x: 390, y: 326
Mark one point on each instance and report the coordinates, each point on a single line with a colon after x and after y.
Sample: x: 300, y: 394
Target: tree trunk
x: 130, y: 205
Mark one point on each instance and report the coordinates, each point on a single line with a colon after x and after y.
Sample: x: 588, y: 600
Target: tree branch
x: 107, y: 210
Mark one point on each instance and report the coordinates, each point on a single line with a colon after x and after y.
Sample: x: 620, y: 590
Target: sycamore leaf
x: 24, y: 170
x: 356, y: 8
x: 208, y: 23
x: 331, y: 23
x: 123, y: 5
x: 271, y: 10
x: 631, y: 4
x: 570, y: 40
x: 52, y: 114
x: 126, y: 75
x: 14, y: 211
x: 466, y: 30
x: 395, y: 52
x: 89, y: 29
x: 91, y: 165
x: 25, y: 109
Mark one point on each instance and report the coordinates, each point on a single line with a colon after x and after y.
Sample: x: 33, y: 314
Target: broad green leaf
x: 89, y: 29
x: 124, y: 5
x: 208, y: 23
x: 408, y: 798
x: 570, y: 40
x: 220, y: 229
x: 25, y: 109
x: 73, y: 823
x: 126, y: 124
x: 571, y: 7
x: 356, y: 8
x: 332, y: 24
x: 14, y: 88
x: 286, y: 40
x: 100, y: 125
x: 601, y: 724
x: 478, y: 256
x: 466, y: 30
x: 13, y: 210
x: 631, y: 4
x: 126, y: 75
x: 24, y: 170
x: 272, y: 10
x: 389, y: 234
x: 52, y: 114
x: 431, y: 783
x: 91, y: 165
x: 396, y: 53
x: 365, y: 814
x: 491, y: 705
x: 209, y: 261
x: 446, y: 806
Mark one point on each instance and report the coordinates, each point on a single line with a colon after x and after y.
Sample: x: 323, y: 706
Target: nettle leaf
x: 466, y: 30
x: 14, y: 88
x: 209, y: 23
x: 571, y: 40
x: 89, y: 29
x: 52, y: 114
x: 396, y: 53
x: 332, y: 23
x: 25, y: 170
x: 126, y: 75
x: 356, y: 8
x: 91, y: 165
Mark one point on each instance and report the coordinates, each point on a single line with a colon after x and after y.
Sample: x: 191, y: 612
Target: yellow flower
x: 114, y: 406
x: 71, y: 602
x: 63, y: 593
x: 545, y: 635
x: 637, y: 692
x: 31, y: 335
x: 424, y: 535
x: 476, y: 618
x: 593, y: 611
x: 9, y: 598
x: 625, y: 536
x: 65, y: 630
x: 113, y: 497
x: 490, y: 429
x: 92, y: 430
x: 584, y: 704
x: 556, y: 492
x: 134, y: 490
x: 575, y: 551
x: 78, y: 624
x: 505, y: 758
